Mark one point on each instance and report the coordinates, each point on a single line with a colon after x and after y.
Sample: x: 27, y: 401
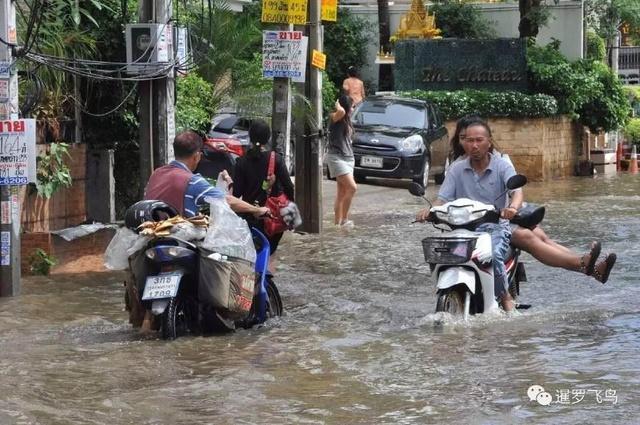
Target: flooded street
x: 359, y: 343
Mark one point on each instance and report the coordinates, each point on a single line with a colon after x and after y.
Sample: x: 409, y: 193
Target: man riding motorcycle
x: 483, y: 177
x: 176, y: 185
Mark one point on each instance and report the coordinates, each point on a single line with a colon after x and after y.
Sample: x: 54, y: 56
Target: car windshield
x: 389, y: 114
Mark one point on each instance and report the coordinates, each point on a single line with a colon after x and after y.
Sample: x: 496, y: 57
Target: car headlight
x: 412, y: 143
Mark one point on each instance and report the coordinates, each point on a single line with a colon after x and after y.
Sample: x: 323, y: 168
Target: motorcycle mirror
x: 516, y: 182
x: 416, y: 189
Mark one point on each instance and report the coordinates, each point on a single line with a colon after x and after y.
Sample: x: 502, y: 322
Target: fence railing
x: 629, y: 58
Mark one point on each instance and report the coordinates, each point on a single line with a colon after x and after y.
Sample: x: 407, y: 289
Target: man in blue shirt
x: 176, y: 184
x: 483, y: 177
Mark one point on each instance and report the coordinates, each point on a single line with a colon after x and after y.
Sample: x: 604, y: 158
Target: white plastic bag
x: 228, y: 234
x: 124, y: 243
x: 188, y: 232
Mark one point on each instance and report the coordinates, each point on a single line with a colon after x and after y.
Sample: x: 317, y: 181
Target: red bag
x: 274, y: 224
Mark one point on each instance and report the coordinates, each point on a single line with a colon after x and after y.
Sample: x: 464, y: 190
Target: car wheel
x: 360, y: 178
x: 439, y: 178
x: 424, y: 179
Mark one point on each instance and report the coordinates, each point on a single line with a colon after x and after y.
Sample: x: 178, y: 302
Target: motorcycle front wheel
x: 174, y: 320
x: 450, y: 301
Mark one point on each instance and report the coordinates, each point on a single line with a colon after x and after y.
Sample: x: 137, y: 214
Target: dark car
x: 399, y: 138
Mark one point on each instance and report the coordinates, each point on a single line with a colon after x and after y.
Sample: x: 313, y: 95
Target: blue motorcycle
x: 167, y: 281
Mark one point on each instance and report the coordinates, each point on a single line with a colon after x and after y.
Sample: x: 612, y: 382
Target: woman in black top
x: 250, y: 178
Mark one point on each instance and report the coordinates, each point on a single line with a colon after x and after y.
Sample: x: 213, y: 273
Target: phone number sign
x: 284, y: 54
x: 284, y: 11
x: 17, y: 152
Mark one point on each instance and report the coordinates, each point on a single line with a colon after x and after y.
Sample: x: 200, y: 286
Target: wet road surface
x: 359, y: 343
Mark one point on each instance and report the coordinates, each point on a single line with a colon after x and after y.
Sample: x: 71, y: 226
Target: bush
x: 596, y: 49
x: 345, y: 44
x: 194, y: 103
x: 586, y: 90
x: 461, y: 20
x: 632, y: 131
x: 510, y: 104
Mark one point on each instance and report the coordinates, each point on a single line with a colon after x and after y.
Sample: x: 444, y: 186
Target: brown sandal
x: 609, y: 261
x: 593, y: 254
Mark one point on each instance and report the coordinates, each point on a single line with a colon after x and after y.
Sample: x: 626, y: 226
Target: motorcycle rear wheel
x: 174, y: 320
x: 274, y: 302
x: 450, y: 301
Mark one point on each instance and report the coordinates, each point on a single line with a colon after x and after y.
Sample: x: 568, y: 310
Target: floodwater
x: 359, y: 343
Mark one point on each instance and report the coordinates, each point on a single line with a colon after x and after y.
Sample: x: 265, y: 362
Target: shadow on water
x: 359, y: 344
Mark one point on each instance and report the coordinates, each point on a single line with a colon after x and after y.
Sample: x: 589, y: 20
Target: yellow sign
x: 318, y: 59
x: 329, y: 10
x: 284, y: 11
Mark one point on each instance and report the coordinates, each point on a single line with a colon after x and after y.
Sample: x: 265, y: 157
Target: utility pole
x: 10, y: 223
x: 157, y: 119
x: 281, y: 114
x: 308, y: 145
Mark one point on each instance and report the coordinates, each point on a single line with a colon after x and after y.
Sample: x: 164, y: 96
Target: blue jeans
x: 500, y: 239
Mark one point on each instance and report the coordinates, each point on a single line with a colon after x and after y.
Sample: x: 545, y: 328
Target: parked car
x: 228, y: 139
x: 399, y: 138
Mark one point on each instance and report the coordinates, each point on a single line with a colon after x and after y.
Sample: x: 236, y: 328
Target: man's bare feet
x: 507, y: 302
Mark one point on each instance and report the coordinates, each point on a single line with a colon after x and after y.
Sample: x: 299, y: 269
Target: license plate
x: 161, y: 286
x: 371, y: 161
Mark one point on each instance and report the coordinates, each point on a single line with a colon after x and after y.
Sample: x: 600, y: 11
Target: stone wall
x: 540, y: 148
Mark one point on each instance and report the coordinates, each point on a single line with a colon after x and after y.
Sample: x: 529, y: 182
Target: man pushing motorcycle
x: 483, y: 176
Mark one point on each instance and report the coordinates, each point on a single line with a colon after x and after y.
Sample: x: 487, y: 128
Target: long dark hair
x: 346, y: 103
x: 456, y: 149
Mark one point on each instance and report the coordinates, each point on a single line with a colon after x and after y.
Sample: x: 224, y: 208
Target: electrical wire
x: 103, y: 114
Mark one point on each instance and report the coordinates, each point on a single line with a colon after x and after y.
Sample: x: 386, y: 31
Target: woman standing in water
x: 340, y: 159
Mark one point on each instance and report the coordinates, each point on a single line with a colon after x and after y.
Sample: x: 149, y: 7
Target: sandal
x: 593, y: 254
x: 608, y: 262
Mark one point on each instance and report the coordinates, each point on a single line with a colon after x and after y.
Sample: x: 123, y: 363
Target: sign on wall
x: 284, y: 55
x: 284, y: 11
x: 454, y: 64
x: 17, y: 152
x: 318, y: 59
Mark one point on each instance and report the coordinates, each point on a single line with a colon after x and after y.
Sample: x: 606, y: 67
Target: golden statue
x: 417, y: 23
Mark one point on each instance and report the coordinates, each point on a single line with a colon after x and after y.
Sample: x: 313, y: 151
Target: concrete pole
x: 157, y: 100
x: 309, y: 147
x: 10, y: 224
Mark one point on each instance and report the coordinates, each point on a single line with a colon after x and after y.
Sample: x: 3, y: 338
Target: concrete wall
x: 540, y: 148
x: 66, y: 207
x: 565, y: 25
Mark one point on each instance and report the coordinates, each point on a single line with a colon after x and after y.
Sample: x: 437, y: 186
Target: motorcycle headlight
x: 412, y: 143
x: 459, y: 216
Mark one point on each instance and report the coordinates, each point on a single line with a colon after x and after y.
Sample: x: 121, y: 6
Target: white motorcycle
x: 461, y: 259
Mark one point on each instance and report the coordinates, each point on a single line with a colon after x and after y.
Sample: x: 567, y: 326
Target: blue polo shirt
x: 197, y: 189
x: 462, y: 181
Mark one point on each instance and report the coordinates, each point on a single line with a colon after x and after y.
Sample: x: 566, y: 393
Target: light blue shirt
x: 462, y: 181
x: 197, y: 189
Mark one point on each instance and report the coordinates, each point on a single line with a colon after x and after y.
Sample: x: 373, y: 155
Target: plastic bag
x: 124, y: 243
x: 188, y: 232
x: 228, y: 234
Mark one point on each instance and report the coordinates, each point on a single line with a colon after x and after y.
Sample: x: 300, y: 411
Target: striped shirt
x: 197, y: 189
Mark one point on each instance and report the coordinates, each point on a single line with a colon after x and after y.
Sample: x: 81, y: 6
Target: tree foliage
x: 195, y: 97
x: 607, y: 16
x: 345, y: 44
x: 461, y: 20
x: 596, y: 49
x: 586, y: 90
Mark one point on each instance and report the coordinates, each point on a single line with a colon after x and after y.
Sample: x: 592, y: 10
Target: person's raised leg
x: 546, y: 253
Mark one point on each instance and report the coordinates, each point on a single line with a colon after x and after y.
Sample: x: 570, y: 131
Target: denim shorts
x: 340, y: 165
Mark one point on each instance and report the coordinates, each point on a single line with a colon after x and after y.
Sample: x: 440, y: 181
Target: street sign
x: 285, y: 11
x: 17, y: 152
x: 329, y: 9
x: 284, y: 55
x: 318, y: 59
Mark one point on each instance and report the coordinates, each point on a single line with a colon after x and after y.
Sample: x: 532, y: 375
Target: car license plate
x: 161, y: 286
x: 371, y: 161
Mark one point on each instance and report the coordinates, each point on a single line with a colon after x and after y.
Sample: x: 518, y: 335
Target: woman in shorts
x: 340, y: 159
